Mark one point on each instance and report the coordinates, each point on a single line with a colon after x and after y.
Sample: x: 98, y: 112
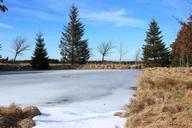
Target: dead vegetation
x: 11, y: 67
x: 163, y: 100
x: 16, y: 117
x: 111, y: 66
x: 27, y: 66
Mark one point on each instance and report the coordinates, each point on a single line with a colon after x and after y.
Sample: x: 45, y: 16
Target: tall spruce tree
x: 40, y: 58
x: 74, y: 49
x: 155, y: 52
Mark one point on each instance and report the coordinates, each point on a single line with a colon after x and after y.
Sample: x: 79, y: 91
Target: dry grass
x: 163, y: 100
x: 27, y: 66
x: 14, y: 117
x: 110, y: 66
x: 96, y: 66
x: 9, y: 116
x: 10, y: 67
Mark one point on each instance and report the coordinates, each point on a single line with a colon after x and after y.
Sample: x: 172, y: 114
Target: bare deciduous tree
x: 3, y: 7
x: 183, y: 43
x: 91, y: 52
x: 137, y: 56
x: 122, y: 52
x: 105, y: 49
x: 19, y: 46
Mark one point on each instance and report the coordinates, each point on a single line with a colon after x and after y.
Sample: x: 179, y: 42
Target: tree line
x: 155, y: 52
x: 75, y: 50
x: 182, y: 47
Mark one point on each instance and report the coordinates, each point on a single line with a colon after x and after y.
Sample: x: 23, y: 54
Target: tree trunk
x: 187, y: 59
x: 103, y: 58
x: 15, y: 58
x: 182, y: 60
x: 72, y: 56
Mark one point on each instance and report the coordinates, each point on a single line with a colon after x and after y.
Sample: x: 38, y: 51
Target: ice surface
x: 71, y: 98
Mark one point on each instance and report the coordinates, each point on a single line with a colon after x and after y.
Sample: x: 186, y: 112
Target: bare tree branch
x: 137, y: 56
x: 19, y: 46
x: 3, y: 7
x: 105, y: 49
x: 122, y: 52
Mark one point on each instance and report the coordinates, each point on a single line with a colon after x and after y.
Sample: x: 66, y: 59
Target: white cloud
x: 37, y: 14
x: 119, y: 18
x: 3, y: 25
x: 56, y: 5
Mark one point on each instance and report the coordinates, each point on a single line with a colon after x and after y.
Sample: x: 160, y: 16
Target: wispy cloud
x: 177, y: 4
x: 37, y: 14
x: 56, y: 5
x: 3, y: 25
x: 119, y: 18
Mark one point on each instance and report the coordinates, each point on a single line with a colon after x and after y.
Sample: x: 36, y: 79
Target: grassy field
x: 27, y: 66
x: 163, y: 100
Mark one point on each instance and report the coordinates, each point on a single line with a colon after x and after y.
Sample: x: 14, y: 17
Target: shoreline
x: 27, y: 66
x: 162, y: 99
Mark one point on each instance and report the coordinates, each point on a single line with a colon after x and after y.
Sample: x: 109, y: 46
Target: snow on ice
x: 71, y: 98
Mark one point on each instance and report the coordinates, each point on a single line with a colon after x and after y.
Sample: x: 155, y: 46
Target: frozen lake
x: 71, y: 98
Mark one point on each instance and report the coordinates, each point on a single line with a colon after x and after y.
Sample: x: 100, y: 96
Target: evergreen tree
x: 40, y: 59
x: 73, y: 48
x: 83, y: 53
x: 155, y: 52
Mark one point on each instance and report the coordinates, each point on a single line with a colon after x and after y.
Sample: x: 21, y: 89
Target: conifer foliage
x: 155, y: 52
x: 40, y: 58
x: 74, y: 49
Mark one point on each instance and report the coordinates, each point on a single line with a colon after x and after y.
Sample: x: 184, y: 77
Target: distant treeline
x: 53, y: 61
x: 57, y: 61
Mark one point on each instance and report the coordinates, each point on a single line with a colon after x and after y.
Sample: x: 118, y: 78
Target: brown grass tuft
x: 14, y: 117
x: 163, y: 100
x: 9, y: 116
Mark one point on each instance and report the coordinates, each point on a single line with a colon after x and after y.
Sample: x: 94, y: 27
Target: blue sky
x: 121, y: 21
